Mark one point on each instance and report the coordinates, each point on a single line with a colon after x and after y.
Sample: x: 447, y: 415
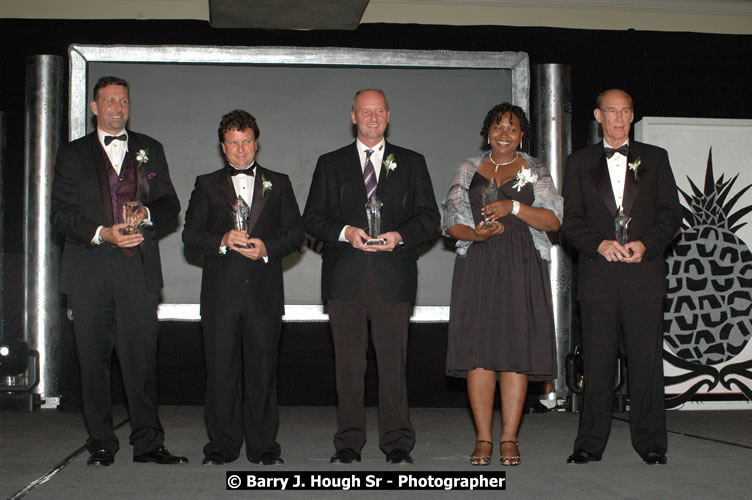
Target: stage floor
x: 710, y: 453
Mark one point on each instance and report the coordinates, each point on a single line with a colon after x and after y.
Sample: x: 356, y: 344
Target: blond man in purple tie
x: 371, y: 279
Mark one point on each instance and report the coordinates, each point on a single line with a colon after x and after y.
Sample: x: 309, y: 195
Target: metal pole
x: 3, y: 141
x: 43, y: 133
x: 595, y: 132
x: 552, y: 121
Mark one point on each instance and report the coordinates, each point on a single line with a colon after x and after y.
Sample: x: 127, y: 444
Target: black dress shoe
x: 213, y: 459
x: 655, y: 458
x: 582, y: 457
x: 101, y: 457
x: 268, y: 458
x: 160, y: 456
x: 345, y: 456
x: 399, y: 457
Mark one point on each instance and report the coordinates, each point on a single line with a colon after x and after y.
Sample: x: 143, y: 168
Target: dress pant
x: 389, y: 321
x: 118, y: 313
x: 241, y: 345
x: 640, y: 324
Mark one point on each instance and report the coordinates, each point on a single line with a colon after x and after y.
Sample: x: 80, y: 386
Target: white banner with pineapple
x: 708, y: 314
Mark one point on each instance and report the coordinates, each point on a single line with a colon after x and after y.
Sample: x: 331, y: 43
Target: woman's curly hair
x: 495, y: 115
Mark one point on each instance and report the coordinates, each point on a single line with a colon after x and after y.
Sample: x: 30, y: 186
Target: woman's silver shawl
x: 456, y: 205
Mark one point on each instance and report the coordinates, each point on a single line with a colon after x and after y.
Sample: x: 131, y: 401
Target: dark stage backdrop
x: 303, y: 112
x: 305, y: 374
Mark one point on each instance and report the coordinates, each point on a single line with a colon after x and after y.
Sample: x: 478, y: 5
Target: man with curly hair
x: 242, y: 299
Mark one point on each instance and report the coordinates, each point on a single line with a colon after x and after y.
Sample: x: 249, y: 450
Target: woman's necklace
x: 497, y: 165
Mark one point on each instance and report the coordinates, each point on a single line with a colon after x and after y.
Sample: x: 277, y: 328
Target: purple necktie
x: 369, y: 175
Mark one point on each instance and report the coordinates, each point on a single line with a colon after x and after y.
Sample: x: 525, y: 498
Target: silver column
x: 43, y: 133
x: 3, y: 142
x: 552, y: 123
x: 595, y: 132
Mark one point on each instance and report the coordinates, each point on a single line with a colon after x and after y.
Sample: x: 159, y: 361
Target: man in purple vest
x: 112, y: 272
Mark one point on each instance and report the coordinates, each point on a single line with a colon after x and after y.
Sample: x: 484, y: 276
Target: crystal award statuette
x: 489, y: 195
x: 621, y: 227
x: 373, y: 213
x: 131, y: 210
x: 240, y: 213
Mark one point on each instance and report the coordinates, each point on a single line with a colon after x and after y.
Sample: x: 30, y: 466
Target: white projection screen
x: 301, y: 98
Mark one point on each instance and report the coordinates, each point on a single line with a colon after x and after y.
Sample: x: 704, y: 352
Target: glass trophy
x: 240, y: 213
x: 373, y: 213
x: 621, y: 226
x: 489, y: 195
x: 131, y: 210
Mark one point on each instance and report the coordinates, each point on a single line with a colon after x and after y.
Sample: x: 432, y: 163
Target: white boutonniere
x: 389, y: 164
x: 524, y: 176
x: 142, y: 156
x: 265, y: 185
x: 635, y: 166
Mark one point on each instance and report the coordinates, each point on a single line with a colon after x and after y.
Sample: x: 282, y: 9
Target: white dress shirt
x: 115, y: 151
x: 243, y: 185
x: 376, y: 157
x: 617, y: 171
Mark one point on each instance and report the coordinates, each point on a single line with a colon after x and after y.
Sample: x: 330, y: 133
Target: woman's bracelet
x: 515, y: 207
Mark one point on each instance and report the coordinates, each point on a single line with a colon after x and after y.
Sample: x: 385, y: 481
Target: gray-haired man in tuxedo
x: 621, y: 286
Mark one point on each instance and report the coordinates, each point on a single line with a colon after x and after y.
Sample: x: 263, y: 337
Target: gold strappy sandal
x: 481, y: 460
x: 510, y: 461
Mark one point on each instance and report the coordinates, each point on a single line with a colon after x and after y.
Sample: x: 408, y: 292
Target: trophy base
x: 380, y: 241
x: 131, y: 230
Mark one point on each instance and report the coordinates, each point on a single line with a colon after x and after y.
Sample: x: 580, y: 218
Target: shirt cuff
x: 147, y: 220
x: 97, y: 239
x: 342, y: 235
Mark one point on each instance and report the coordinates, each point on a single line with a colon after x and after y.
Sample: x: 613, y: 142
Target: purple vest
x: 122, y: 187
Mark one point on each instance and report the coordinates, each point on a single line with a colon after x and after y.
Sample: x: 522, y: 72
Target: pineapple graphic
x: 707, y: 313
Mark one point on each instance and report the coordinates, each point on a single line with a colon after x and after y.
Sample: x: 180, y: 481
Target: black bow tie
x: 248, y: 171
x: 624, y: 149
x: 109, y: 138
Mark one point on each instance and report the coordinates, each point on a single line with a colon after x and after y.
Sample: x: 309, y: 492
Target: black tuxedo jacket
x: 651, y: 199
x: 81, y: 202
x: 274, y: 219
x: 338, y: 197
